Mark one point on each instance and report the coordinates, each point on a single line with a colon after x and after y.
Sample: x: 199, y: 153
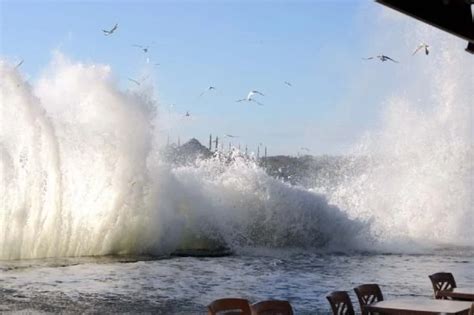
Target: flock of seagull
x: 385, y: 58
x: 253, y: 95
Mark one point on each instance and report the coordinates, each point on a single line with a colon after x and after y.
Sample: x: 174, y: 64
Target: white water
x: 415, y: 180
x: 80, y: 175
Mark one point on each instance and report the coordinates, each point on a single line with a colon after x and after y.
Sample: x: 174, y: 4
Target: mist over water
x: 72, y: 147
x: 412, y: 177
x: 81, y: 174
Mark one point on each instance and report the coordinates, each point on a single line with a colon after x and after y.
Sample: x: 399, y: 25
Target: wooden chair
x: 272, y: 307
x: 341, y: 303
x: 442, y: 281
x: 229, y: 306
x: 368, y: 294
x: 471, y: 310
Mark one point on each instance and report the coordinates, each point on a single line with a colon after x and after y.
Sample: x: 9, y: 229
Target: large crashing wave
x: 70, y: 153
x: 413, y: 176
x: 80, y: 176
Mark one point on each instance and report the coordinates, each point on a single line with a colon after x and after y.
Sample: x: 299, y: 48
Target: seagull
x: 250, y: 99
x: 187, y: 114
x: 106, y: 32
x: 422, y: 46
x: 134, y: 81
x: 254, y: 92
x: 19, y: 64
x: 382, y: 58
x: 144, y: 48
x: 288, y: 83
x: 230, y: 136
x: 137, y: 82
x: 208, y: 89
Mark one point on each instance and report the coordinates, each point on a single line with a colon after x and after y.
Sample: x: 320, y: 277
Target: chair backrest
x: 272, y: 307
x: 368, y: 294
x: 442, y: 281
x: 471, y: 310
x: 229, y: 306
x: 341, y: 303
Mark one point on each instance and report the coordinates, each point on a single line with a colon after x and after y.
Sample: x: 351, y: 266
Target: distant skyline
x: 333, y: 98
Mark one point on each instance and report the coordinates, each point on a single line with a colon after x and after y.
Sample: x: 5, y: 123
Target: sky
x: 235, y: 46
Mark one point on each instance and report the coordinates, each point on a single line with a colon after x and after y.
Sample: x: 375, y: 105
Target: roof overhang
x: 453, y: 16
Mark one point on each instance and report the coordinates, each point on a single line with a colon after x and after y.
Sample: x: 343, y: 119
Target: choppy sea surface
x: 185, y: 285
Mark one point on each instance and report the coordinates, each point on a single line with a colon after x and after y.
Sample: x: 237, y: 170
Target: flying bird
x: 138, y: 82
x: 187, y: 114
x: 254, y: 92
x: 382, y: 58
x: 288, y: 83
x: 250, y: 98
x: 143, y: 48
x: 230, y: 136
x: 107, y: 33
x: 134, y: 81
x: 208, y: 89
x: 422, y: 46
x: 19, y: 64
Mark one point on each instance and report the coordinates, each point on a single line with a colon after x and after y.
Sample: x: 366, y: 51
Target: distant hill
x: 307, y: 170
x: 187, y: 153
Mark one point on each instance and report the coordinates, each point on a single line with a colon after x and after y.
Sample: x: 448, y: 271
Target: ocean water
x: 90, y: 211
x: 185, y: 285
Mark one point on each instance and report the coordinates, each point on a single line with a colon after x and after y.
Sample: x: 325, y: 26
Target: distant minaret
x: 258, y: 152
x: 246, y: 150
x: 230, y: 146
x: 265, y: 152
x: 179, y: 142
x: 210, y: 142
x: 168, y: 140
x: 217, y: 143
x: 239, y: 146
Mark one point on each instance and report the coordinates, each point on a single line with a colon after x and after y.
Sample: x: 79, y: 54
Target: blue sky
x: 235, y: 46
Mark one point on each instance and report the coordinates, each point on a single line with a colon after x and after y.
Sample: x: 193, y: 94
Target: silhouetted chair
x: 341, y: 303
x: 229, y: 306
x: 272, y: 307
x: 368, y: 294
x: 471, y: 310
x: 442, y: 281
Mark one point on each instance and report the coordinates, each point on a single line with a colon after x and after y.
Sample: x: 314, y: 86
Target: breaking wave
x: 81, y: 174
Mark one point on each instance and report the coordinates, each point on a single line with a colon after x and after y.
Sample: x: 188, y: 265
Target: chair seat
x: 229, y: 306
x: 272, y: 307
x: 368, y: 294
x: 341, y: 303
x: 442, y: 281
